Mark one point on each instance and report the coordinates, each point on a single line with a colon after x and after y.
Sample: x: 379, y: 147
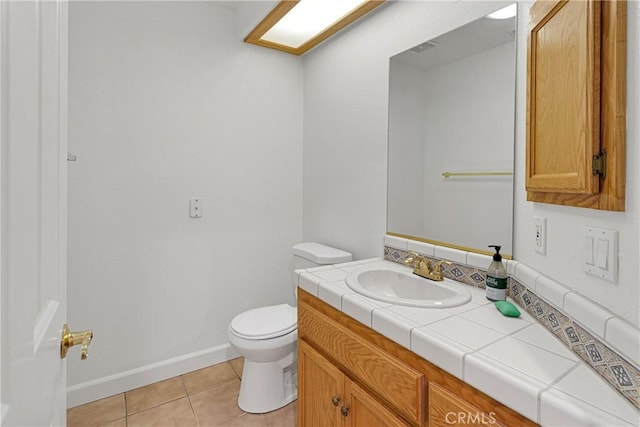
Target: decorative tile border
x: 605, y: 361
x: 614, y: 368
x: 460, y: 273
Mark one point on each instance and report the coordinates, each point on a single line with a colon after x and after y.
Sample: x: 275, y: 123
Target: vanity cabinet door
x: 564, y: 104
x: 320, y: 389
x: 576, y: 103
x: 326, y: 397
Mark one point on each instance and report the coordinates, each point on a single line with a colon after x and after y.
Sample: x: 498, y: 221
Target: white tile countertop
x: 514, y: 360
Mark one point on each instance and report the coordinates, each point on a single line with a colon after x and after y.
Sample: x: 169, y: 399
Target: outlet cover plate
x: 540, y: 230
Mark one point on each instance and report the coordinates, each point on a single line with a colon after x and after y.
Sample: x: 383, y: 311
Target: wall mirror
x: 451, y: 138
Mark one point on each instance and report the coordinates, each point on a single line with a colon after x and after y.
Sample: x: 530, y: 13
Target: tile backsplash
x: 608, y: 344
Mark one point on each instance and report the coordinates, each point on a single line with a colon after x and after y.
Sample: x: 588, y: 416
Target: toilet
x: 266, y: 337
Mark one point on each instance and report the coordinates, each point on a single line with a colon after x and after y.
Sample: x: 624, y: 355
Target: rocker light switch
x: 603, y: 254
x: 600, y: 253
x: 587, y: 250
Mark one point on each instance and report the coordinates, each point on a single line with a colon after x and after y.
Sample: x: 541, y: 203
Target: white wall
x: 345, y: 119
x: 345, y: 128
x: 168, y: 103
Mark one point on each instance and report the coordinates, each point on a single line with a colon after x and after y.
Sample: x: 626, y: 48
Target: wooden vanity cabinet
x: 350, y: 375
x: 576, y: 101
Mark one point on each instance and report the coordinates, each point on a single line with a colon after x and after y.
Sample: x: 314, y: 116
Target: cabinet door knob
x: 345, y: 411
x: 335, y: 400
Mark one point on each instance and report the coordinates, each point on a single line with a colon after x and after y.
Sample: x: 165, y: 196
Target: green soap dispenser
x: 496, y: 289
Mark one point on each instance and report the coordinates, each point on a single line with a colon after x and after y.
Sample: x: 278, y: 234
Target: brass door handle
x: 69, y: 339
x: 335, y: 400
x: 344, y: 411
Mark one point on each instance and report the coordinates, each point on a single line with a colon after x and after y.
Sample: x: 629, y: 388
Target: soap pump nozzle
x: 496, y: 256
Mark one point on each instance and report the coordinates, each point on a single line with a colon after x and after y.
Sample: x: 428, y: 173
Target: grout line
x: 550, y: 386
x: 126, y: 412
x: 158, y: 405
x: 193, y: 411
x: 545, y: 348
x: 188, y: 395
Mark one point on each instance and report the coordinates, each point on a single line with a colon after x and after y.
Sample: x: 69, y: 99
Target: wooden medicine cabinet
x: 576, y: 100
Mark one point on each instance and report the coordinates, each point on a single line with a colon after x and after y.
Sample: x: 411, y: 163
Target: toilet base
x: 267, y: 386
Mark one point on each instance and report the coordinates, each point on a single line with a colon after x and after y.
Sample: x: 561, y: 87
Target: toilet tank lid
x: 320, y: 254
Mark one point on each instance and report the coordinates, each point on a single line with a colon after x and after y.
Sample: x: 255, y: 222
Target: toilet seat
x: 265, y: 322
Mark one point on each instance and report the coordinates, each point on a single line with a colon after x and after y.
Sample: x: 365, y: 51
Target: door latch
x: 69, y: 339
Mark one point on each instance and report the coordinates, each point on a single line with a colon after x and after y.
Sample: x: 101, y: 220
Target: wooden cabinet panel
x: 447, y: 409
x: 576, y: 97
x: 397, y: 383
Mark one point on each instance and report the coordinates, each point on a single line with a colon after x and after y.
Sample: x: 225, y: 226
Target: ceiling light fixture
x: 505, y: 13
x: 295, y: 26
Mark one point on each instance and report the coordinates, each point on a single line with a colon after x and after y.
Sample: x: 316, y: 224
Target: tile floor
x: 207, y: 397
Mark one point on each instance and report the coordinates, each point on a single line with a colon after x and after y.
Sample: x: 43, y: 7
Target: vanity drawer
x: 401, y: 386
x: 446, y: 409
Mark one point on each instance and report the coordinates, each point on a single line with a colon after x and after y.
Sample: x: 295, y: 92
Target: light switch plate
x: 600, y: 253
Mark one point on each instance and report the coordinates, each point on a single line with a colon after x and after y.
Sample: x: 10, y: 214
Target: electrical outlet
x: 540, y: 227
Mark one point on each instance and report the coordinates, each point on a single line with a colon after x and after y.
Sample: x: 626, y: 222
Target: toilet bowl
x: 266, y: 337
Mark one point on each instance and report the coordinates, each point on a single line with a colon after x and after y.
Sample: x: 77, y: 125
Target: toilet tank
x: 311, y: 254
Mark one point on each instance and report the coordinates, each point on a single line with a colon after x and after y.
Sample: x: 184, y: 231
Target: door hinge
x: 599, y: 164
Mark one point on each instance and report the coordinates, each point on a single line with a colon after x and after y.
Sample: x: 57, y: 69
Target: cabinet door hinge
x: 599, y: 164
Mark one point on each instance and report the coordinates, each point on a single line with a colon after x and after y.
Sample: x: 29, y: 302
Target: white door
x: 33, y: 131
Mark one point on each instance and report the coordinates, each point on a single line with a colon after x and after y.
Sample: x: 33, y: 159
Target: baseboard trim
x: 79, y: 394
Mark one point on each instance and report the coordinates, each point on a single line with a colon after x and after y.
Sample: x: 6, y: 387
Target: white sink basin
x: 405, y: 288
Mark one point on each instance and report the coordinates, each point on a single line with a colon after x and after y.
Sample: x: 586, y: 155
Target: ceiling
x: 479, y: 35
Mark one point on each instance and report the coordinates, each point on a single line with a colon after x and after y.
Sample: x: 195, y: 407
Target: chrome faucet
x: 423, y: 268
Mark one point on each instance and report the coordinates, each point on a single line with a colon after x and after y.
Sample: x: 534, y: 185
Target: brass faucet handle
x: 413, y: 258
x: 438, y: 265
x: 437, y: 273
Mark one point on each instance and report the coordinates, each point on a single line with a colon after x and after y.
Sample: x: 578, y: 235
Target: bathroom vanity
x: 350, y: 374
x: 364, y: 361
